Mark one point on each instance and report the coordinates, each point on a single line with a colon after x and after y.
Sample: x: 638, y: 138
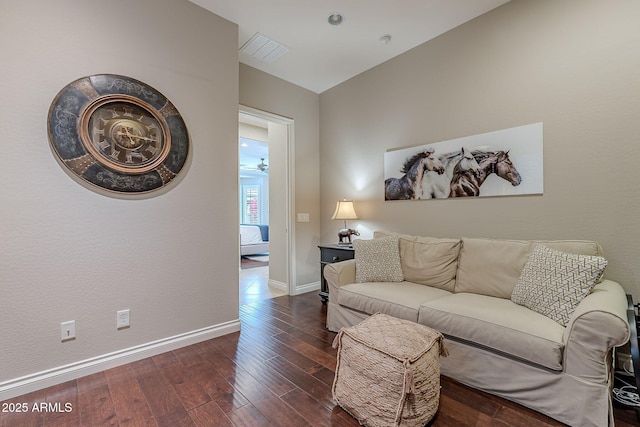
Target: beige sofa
x: 463, y: 288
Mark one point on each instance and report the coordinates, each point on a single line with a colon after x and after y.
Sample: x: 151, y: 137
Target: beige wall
x: 572, y: 65
x: 68, y: 253
x: 267, y: 93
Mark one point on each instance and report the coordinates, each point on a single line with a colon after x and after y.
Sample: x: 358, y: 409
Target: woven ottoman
x: 388, y: 371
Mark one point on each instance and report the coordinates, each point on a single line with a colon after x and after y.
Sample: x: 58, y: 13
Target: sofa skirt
x: 339, y: 317
x: 558, y: 395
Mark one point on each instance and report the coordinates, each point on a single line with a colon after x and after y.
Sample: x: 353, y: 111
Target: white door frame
x: 290, y: 190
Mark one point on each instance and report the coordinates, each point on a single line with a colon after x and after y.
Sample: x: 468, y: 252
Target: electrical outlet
x: 122, y: 319
x: 68, y: 330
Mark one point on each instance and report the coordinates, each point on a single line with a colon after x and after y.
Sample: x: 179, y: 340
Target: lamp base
x: 344, y: 236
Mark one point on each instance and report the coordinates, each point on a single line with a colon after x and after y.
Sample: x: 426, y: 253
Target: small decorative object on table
x: 345, y: 234
x: 388, y: 371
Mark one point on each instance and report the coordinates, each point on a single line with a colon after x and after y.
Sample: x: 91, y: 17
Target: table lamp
x: 344, y: 211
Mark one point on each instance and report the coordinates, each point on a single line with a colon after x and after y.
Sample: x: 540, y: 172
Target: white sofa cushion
x: 498, y: 324
x: 490, y: 267
x: 401, y: 300
x: 553, y: 283
x: 428, y: 261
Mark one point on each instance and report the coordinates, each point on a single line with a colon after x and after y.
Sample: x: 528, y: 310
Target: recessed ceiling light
x: 386, y: 39
x: 335, y: 18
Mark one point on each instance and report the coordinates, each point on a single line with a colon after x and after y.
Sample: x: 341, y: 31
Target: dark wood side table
x: 328, y: 255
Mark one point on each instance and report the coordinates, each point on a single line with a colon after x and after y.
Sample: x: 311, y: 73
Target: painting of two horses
x: 501, y: 163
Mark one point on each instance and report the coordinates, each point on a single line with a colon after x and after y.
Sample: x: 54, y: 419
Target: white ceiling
x: 322, y: 55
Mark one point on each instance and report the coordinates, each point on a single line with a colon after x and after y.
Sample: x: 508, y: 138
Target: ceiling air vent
x: 263, y: 48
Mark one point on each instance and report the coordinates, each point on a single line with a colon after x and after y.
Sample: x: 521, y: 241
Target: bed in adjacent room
x: 254, y: 239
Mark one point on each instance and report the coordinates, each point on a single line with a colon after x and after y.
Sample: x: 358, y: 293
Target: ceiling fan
x: 262, y: 166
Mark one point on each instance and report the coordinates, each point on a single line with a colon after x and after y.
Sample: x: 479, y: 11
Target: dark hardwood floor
x: 277, y: 371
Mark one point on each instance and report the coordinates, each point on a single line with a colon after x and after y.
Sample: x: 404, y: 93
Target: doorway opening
x: 265, y: 201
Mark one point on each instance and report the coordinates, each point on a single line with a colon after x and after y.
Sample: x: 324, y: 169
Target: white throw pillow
x: 553, y: 283
x: 378, y: 260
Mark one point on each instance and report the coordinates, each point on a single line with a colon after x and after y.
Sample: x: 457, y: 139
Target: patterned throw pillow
x: 378, y: 260
x: 553, y: 283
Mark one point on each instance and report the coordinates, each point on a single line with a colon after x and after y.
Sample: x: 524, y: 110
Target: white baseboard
x: 39, y: 380
x: 281, y: 286
x: 309, y: 287
x: 302, y: 289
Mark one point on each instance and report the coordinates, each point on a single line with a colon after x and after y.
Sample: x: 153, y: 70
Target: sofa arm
x: 339, y: 274
x: 598, y: 324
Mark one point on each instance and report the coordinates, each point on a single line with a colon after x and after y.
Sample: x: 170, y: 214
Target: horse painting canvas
x: 466, y: 175
x: 414, y: 167
x: 501, y: 163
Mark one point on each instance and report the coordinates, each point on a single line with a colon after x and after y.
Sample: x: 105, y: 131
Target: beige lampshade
x: 344, y: 210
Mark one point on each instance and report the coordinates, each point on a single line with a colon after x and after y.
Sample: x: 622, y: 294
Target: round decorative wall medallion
x: 118, y: 133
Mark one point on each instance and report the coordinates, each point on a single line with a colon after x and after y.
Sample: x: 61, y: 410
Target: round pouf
x: 388, y: 371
